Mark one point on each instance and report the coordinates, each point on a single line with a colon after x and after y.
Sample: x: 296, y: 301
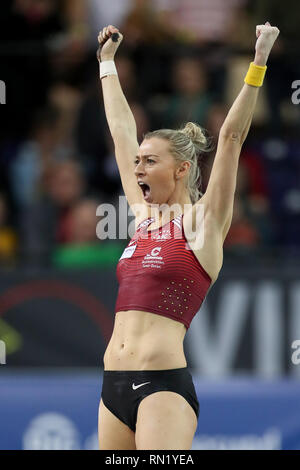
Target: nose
x: 139, y: 169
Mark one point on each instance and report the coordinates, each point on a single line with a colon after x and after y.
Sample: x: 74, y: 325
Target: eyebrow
x: 149, y: 155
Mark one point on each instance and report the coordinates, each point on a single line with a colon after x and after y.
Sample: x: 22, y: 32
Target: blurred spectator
x: 243, y: 236
x: 73, y: 44
x: 152, y: 42
x: 47, y: 222
x: 215, y: 119
x: 67, y: 100
x: 51, y: 141
x: 252, y: 227
x: 207, y: 25
x: 93, y: 255
x: 65, y: 183
x: 33, y: 155
x: 8, y: 238
x: 190, y: 100
x: 83, y: 222
x: 144, y: 25
x: 83, y: 248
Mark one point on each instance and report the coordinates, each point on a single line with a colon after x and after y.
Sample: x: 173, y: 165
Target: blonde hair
x: 187, y: 144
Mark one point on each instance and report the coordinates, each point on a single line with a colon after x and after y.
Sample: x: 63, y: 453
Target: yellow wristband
x: 255, y: 75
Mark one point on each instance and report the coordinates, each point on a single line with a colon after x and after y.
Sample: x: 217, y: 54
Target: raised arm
x: 219, y: 196
x: 119, y: 116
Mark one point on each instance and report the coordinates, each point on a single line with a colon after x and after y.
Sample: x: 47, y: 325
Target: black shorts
x: 122, y: 391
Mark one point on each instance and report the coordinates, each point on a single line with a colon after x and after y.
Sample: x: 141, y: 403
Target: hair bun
x: 197, y: 136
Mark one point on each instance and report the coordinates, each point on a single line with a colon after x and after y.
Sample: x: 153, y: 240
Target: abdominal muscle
x: 145, y: 341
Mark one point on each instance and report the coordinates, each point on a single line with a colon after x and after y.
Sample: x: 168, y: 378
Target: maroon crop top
x: 158, y: 273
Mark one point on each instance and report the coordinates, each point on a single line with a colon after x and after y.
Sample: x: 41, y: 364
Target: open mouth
x: 145, y: 188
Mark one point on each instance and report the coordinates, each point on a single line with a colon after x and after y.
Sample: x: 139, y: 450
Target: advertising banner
x: 248, y: 323
x: 59, y: 411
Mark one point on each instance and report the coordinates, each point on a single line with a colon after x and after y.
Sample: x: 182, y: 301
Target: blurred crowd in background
x: 181, y: 60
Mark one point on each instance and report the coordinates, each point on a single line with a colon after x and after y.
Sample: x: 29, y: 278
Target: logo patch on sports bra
x: 153, y: 260
x: 128, y: 252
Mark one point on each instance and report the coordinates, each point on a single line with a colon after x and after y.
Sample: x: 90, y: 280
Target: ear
x: 182, y: 170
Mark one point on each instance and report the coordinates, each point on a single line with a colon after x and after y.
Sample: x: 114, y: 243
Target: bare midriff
x: 145, y: 341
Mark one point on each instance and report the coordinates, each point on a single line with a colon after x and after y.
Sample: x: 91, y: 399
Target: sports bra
x: 159, y: 273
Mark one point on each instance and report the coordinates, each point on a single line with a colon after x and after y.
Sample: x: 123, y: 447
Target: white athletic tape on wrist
x: 107, y: 67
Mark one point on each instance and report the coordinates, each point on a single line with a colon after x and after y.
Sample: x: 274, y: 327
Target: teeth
x: 140, y: 183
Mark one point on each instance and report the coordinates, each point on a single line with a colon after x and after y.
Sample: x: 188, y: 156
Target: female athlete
x: 148, y: 398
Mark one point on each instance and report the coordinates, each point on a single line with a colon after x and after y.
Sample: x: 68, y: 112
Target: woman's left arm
x: 219, y: 196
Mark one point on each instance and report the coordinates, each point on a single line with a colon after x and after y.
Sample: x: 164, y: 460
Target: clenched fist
x: 266, y: 36
x: 108, y: 47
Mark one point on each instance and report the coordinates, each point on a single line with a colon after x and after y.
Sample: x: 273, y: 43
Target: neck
x: 164, y: 213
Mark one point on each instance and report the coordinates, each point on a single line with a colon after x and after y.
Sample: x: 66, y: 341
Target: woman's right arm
x: 220, y: 192
x: 120, y: 119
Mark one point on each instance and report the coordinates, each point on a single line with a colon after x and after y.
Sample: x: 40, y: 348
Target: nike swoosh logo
x: 138, y: 386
